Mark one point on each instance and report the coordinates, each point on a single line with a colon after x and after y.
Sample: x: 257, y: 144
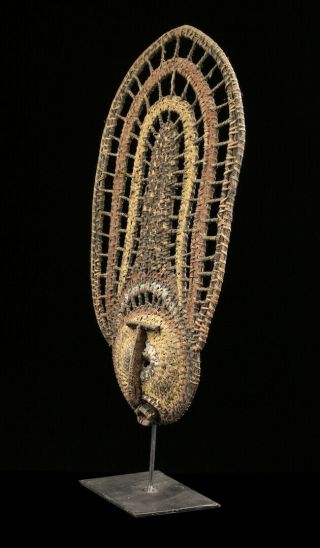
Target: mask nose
x: 146, y: 413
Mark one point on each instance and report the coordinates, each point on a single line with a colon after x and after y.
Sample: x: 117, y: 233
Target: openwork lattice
x: 166, y: 180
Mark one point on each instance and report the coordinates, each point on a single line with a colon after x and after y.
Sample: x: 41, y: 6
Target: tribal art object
x: 165, y: 186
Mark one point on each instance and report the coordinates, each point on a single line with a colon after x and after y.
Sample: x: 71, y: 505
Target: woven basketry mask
x: 166, y: 180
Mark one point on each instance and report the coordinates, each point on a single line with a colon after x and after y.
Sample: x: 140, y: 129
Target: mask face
x: 153, y: 366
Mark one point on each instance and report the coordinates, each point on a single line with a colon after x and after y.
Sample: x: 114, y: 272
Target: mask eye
x: 148, y: 363
x: 145, y: 363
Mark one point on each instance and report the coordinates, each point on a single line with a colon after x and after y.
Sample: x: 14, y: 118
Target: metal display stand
x: 149, y: 493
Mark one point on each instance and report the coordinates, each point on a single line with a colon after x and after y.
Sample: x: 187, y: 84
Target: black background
x: 257, y: 407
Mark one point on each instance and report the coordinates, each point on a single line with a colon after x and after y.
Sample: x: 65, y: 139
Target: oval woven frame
x: 166, y: 181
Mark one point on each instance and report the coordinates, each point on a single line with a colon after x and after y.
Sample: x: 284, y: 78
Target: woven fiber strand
x: 166, y: 180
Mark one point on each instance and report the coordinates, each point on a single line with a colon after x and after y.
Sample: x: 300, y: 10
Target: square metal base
x: 129, y: 492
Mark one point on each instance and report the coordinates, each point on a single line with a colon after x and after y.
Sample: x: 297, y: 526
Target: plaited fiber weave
x: 165, y: 186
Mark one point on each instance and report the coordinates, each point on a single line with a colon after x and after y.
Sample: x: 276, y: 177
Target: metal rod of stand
x: 151, y: 487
